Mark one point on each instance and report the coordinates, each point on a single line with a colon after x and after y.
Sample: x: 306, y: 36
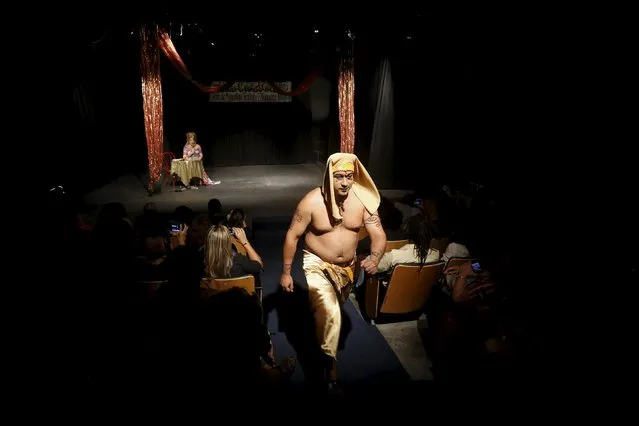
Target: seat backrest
x: 409, y: 287
x: 246, y: 282
x: 458, y: 261
x: 392, y: 245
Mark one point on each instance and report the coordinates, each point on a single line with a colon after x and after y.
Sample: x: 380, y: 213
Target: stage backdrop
x: 248, y: 124
x: 251, y: 91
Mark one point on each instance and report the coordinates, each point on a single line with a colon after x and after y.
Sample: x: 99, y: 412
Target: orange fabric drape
x: 346, y: 99
x: 152, y: 101
x: 171, y: 53
x: 303, y: 86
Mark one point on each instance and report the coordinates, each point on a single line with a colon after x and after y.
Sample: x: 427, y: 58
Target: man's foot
x: 282, y: 372
x: 287, y: 366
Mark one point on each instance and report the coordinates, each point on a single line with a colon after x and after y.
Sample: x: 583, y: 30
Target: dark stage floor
x: 262, y: 191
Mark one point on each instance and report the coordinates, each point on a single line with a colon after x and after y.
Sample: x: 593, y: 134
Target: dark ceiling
x: 236, y: 22
x: 239, y: 39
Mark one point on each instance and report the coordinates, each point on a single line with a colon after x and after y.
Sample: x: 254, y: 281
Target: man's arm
x: 377, y: 235
x: 299, y: 223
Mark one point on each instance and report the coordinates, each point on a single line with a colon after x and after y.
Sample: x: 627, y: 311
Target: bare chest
x: 351, y: 220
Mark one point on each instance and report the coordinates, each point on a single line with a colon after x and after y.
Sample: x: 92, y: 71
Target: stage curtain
x: 380, y: 160
x: 152, y: 101
x: 346, y: 101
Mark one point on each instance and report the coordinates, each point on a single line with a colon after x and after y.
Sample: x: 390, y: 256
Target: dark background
x: 477, y: 92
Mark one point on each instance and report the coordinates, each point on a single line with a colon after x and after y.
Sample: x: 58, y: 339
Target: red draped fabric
x: 171, y: 53
x: 303, y: 86
x: 346, y: 99
x: 152, y: 101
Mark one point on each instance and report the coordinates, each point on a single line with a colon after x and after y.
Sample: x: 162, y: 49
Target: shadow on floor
x: 295, y: 319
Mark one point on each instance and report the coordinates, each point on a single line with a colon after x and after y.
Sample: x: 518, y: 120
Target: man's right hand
x: 286, y: 281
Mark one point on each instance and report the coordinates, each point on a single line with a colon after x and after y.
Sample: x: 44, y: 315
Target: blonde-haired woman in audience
x: 222, y: 261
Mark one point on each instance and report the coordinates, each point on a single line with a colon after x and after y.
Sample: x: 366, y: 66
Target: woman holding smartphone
x: 221, y: 261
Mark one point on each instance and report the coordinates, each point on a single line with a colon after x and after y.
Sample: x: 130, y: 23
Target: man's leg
x: 328, y: 322
x: 326, y: 311
x: 331, y: 371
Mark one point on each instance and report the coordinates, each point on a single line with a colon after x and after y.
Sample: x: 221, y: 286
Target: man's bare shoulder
x: 312, y: 199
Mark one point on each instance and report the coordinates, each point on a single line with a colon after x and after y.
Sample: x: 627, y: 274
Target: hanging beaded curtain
x: 346, y: 99
x: 152, y: 101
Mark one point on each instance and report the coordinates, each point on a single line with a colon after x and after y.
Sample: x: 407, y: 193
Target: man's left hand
x: 369, y: 265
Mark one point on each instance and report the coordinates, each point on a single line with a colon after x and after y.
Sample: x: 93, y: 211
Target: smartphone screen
x: 175, y: 228
x: 476, y: 267
x: 418, y: 202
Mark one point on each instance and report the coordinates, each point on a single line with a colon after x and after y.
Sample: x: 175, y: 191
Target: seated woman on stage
x: 193, y: 151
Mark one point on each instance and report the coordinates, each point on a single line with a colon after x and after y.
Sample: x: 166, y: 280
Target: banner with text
x: 251, y: 91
